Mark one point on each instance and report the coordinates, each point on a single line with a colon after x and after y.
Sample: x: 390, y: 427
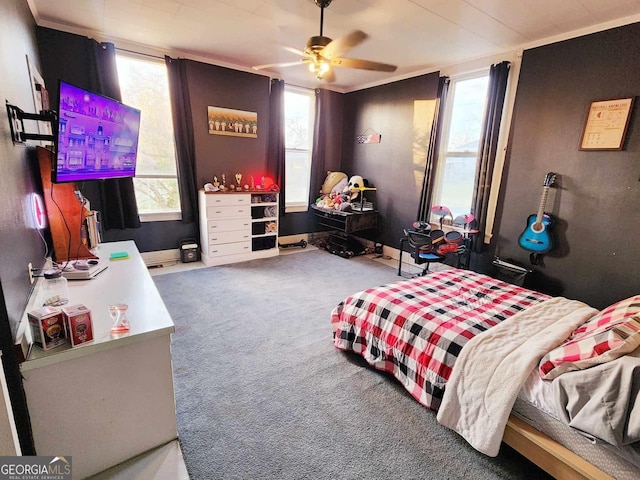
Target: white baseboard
x: 161, y: 258
x: 171, y: 257
x: 293, y: 238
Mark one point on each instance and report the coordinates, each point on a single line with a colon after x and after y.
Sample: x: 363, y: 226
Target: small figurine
x: 224, y: 179
x: 238, y: 178
x: 216, y: 183
x: 252, y: 185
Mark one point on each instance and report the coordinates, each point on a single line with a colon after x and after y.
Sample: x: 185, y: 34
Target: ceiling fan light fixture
x: 319, y: 68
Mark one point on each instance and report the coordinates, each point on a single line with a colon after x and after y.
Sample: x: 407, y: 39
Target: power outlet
x: 30, y: 268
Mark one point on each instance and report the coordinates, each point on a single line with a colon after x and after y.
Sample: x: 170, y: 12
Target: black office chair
x: 421, y: 249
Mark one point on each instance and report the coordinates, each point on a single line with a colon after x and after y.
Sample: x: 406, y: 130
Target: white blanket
x: 493, y: 366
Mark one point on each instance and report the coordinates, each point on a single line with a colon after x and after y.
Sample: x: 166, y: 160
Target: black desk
x: 343, y: 224
x: 346, y: 222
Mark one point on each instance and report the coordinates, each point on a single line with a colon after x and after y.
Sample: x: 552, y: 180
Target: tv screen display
x: 97, y: 137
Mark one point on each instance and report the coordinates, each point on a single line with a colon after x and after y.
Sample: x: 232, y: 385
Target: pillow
x: 613, y: 332
x: 614, y: 313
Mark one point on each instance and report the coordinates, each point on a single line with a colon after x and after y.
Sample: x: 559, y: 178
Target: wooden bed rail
x: 549, y: 455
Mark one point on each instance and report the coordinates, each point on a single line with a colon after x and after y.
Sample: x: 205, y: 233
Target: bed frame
x: 549, y: 455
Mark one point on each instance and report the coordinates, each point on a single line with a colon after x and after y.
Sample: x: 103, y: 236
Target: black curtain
x: 117, y: 196
x: 326, y: 131
x: 498, y: 78
x: 276, y: 141
x: 318, y: 150
x: 91, y: 65
x: 432, y: 153
x: 184, y: 136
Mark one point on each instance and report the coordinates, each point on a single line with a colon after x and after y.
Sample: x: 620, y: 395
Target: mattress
x: 620, y: 463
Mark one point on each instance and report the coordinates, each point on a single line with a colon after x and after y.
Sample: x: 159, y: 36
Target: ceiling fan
x: 322, y: 53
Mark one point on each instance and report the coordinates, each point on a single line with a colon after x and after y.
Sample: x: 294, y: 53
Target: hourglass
x: 118, y: 314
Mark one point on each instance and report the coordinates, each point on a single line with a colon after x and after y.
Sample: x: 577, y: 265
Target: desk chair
x: 416, y: 239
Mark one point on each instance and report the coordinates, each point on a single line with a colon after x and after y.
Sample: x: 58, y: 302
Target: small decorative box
x: 77, y: 318
x: 47, y: 327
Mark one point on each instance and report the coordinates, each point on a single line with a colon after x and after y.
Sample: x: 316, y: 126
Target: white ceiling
x: 418, y: 36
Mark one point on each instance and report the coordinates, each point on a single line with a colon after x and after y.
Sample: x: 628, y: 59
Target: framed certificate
x: 606, y: 124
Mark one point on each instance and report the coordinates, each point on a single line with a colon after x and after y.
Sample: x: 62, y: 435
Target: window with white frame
x: 460, y: 141
x: 144, y: 85
x: 299, y: 113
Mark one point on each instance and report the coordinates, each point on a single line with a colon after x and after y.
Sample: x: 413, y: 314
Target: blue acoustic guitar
x: 537, y: 236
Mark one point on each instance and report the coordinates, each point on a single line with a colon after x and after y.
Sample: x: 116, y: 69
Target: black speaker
x: 189, y: 251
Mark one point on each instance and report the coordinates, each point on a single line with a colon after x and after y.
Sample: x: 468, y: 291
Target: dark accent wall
x: 210, y: 85
x: 395, y: 166
x: 597, y: 199
x: 19, y: 241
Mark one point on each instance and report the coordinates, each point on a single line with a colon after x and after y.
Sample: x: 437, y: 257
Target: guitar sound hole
x: 537, y: 227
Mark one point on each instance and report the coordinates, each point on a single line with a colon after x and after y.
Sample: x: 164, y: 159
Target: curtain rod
x: 138, y: 53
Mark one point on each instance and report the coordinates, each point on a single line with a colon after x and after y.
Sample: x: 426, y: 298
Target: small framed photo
x: 606, y: 124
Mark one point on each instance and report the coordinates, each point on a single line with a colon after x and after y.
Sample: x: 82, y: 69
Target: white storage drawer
x: 228, y: 211
x: 231, y: 225
x: 228, y: 199
x: 228, y: 237
x: 233, y: 229
x: 229, y: 248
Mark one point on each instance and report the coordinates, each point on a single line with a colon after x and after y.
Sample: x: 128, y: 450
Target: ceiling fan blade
x: 362, y: 64
x: 286, y: 64
x: 341, y: 45
x: 329, y: 76
x: 296, y: 51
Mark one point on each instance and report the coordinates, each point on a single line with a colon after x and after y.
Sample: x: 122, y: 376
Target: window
x: 299, y: 112
x: 458, y: 156
x: 144, y: 85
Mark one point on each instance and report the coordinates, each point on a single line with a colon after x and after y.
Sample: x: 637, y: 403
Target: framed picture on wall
x: 235, y: 123
x: 606, y: 124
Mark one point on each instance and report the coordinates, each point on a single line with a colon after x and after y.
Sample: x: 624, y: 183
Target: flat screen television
x: 97, y: 137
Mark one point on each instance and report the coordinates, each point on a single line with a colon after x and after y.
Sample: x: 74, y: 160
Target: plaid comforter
x: 414, y: 329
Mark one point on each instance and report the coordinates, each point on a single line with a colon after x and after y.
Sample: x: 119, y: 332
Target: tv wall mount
x: 17, y: 117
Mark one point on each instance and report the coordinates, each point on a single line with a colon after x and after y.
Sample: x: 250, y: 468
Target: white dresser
x: 109, y: 400
x: 235, y: 227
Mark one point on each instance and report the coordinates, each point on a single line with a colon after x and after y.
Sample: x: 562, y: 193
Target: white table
x: 112, y: 399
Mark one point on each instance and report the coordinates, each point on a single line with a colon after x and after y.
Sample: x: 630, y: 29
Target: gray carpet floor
x: 261, y: 392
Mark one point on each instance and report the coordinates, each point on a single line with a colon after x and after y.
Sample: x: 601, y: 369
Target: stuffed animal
x: 333, y: 178
x: 352, y: 188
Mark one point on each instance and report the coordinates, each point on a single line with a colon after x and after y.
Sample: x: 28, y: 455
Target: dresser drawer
x: 228, y: 237
x: 228, y: 225
x: 229, y: 211
x: 227, y: 199
x: 229, y: 248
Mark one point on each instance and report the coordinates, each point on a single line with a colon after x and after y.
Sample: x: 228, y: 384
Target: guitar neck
x: 543, y: 203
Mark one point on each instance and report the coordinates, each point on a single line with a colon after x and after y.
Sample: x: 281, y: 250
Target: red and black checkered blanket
x: 414, y: 329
